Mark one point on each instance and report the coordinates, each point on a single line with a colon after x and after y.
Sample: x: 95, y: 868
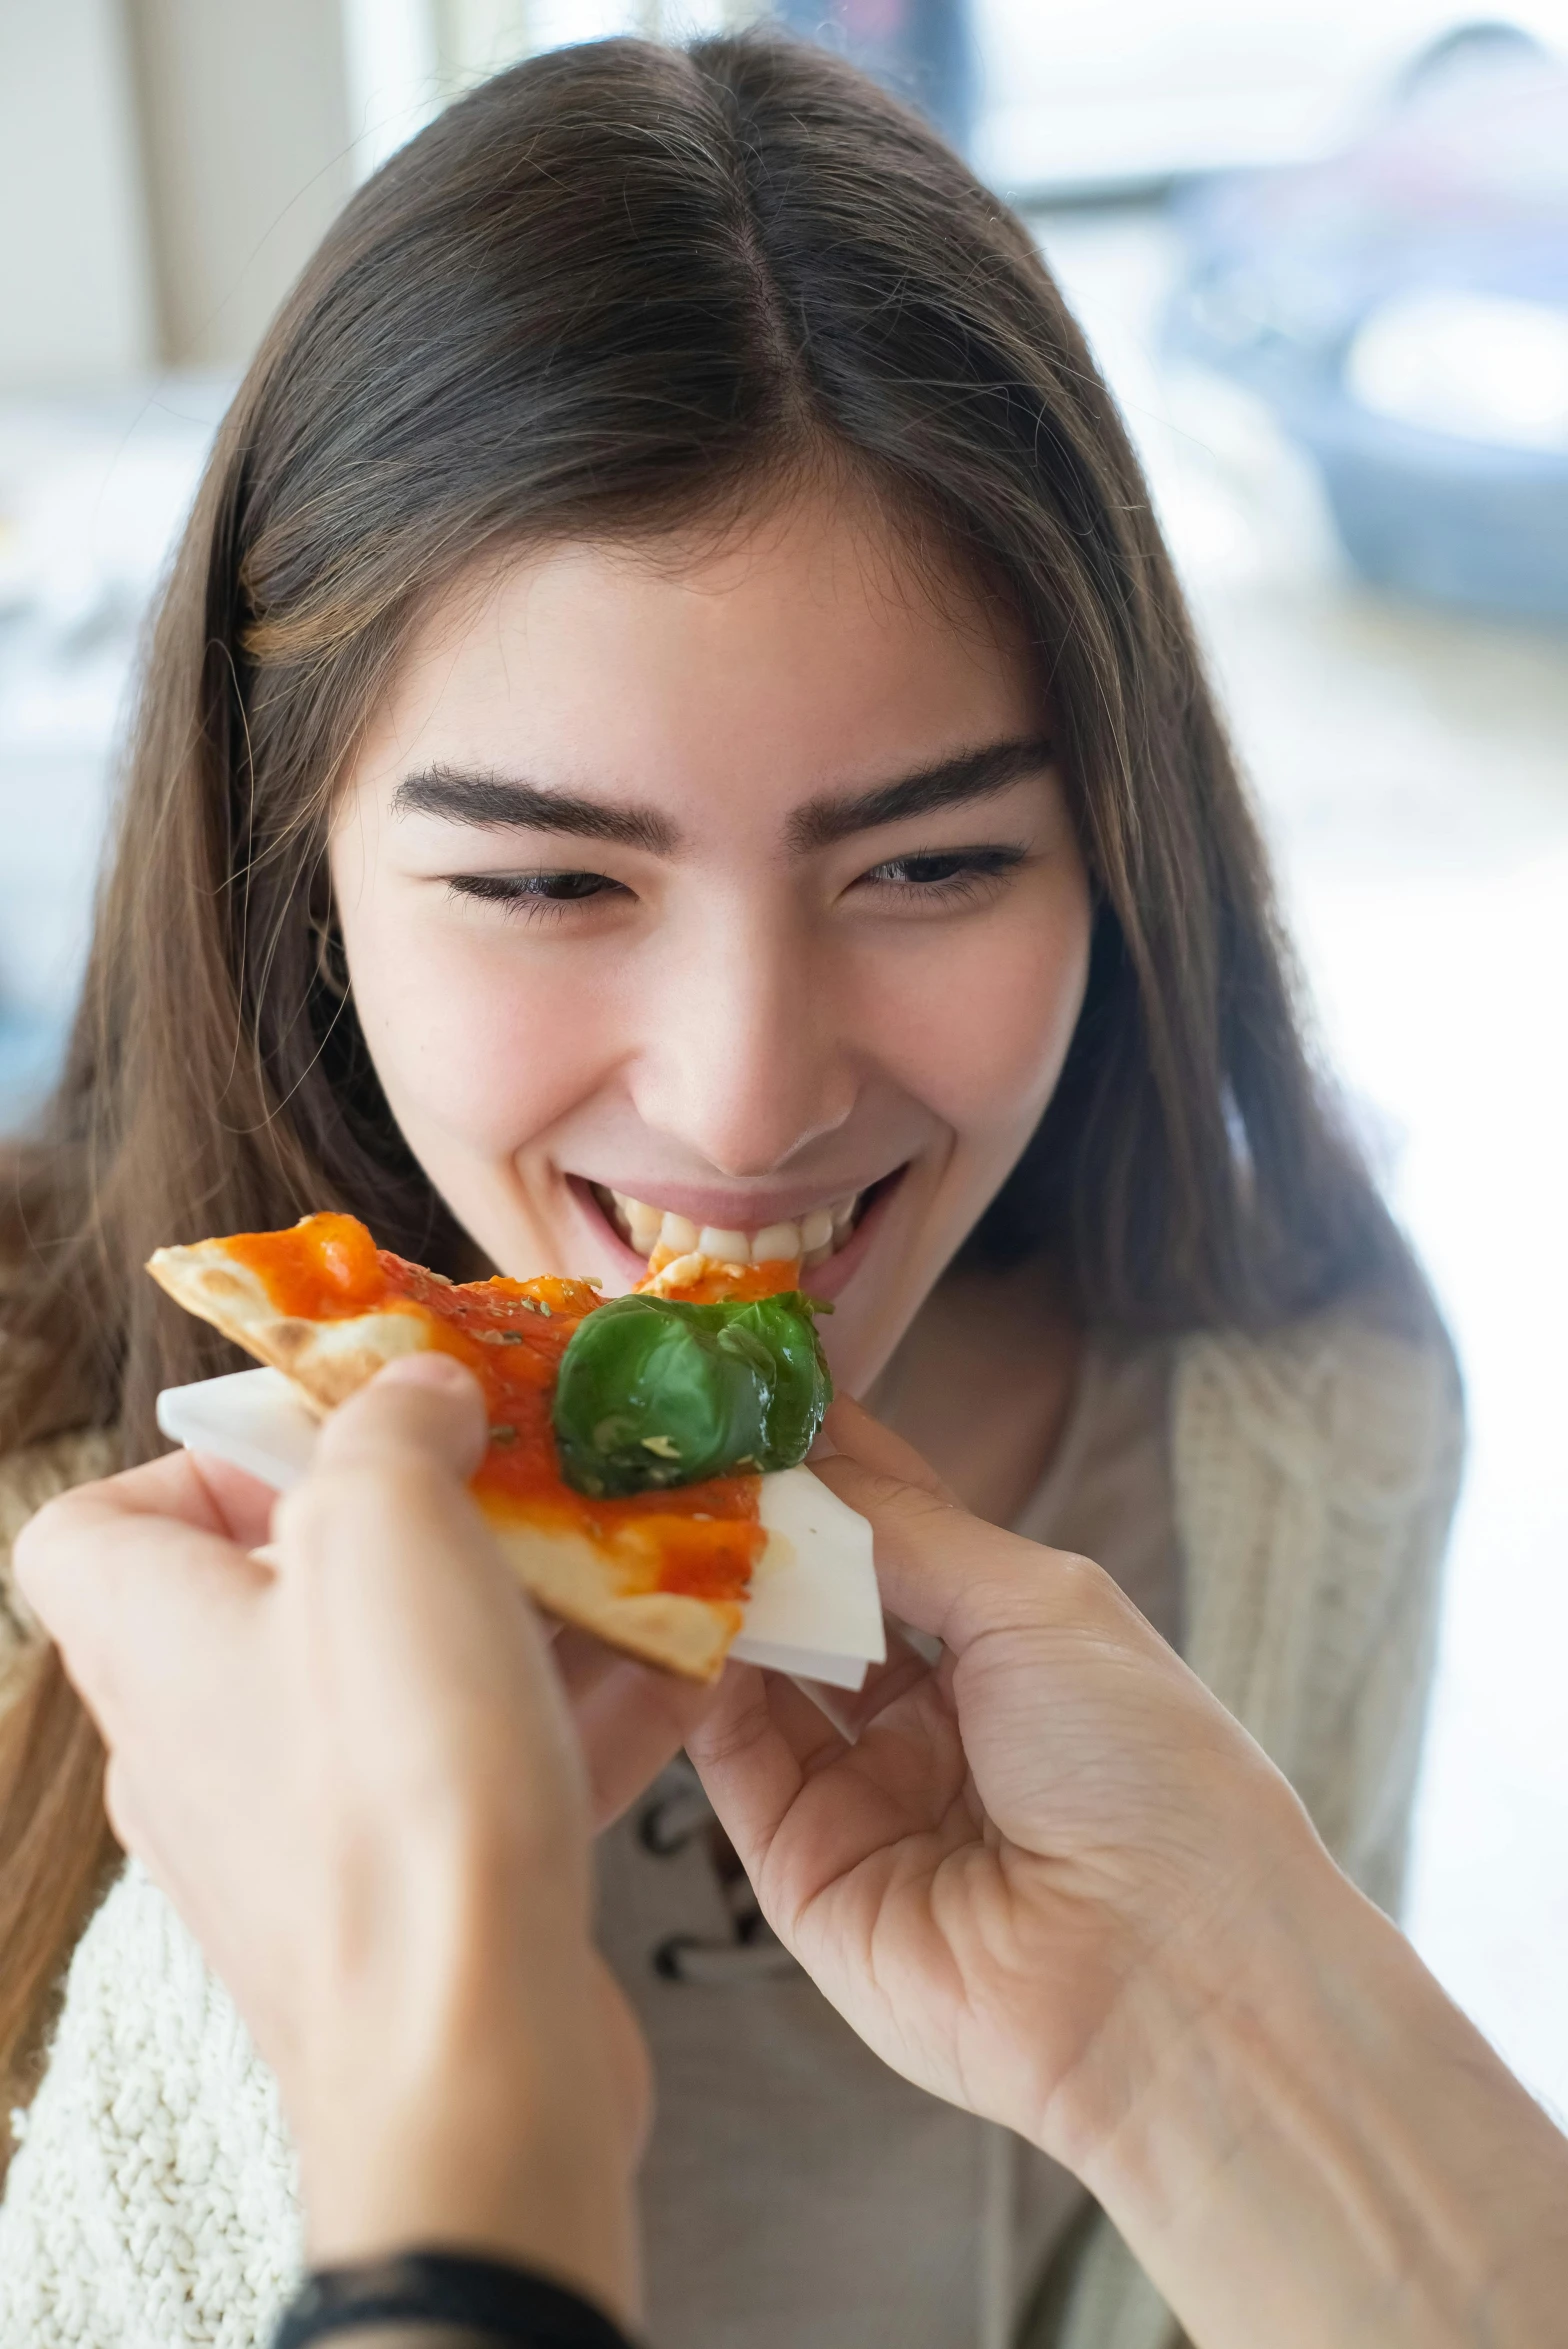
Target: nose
x: 741, y: 1056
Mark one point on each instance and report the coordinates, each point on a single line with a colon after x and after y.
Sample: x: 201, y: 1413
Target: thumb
x: 928, y: 1550
x: 934, y: 1560
x: 386, y: 1505
x: 397, y: 1591
x: 850, y: 1430
x: 424, y: 1406
x: 946, y: 1572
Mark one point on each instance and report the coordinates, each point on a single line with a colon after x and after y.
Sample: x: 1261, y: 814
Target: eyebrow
x: 494, y: 803
x: 491, y: 802
x: 951, y: 782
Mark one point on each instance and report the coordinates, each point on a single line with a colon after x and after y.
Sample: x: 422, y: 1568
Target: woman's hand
x: 996, y: 1882
x: 1054, y: 1882
x: 352, y: 1770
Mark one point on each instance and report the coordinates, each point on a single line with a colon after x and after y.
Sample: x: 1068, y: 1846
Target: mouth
x: 812, y: 1238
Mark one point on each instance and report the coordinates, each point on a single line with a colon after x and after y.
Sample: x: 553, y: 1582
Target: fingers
x: 764, y: 1734
x: 852, y: 1711
x: 111, y: 1578
x: 926, y: 1546
x: 950, y: 1574
x: 242, y: 1505
x: 205, y: 1494
x: 168, y: 1542
x: 943, y: 1571
x: 386, y: 1501
x: 399, y: 1599
x: 747, y: 1762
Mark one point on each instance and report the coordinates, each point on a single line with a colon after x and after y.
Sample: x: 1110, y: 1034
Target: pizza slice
x: 628, y: 1436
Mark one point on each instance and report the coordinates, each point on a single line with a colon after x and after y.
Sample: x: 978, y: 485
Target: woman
x: 672, y: 704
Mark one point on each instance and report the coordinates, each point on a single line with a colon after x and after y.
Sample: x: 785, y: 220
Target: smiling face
x: 733, y: 887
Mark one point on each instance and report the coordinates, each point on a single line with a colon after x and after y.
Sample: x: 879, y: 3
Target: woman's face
x: 717, y: 888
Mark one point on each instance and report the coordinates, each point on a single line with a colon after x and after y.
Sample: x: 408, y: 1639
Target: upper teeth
x: 653, y: 1232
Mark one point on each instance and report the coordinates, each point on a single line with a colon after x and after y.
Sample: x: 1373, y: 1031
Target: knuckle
x: 51, y: 1524
x: 1080, y: 1576
x: 47, y: 1546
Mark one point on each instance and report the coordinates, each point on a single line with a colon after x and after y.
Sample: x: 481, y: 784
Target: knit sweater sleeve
x: 152, y: 2200
x: 1315, y: 1476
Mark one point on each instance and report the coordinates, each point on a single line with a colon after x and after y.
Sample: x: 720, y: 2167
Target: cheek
x: 473, y: 1039
x: 983, y: 1029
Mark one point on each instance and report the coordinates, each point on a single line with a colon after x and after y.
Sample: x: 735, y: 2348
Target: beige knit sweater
x: 152, y: 2198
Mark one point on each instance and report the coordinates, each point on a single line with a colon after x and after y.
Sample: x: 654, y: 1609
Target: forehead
x: 803, y: 646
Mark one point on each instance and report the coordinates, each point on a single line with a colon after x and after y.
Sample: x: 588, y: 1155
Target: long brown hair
x: 610, y: 291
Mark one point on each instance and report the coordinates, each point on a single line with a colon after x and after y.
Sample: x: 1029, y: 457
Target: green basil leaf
x: 654, y: 1392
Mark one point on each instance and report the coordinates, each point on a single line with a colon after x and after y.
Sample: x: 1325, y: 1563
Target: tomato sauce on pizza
x: 700, y: 1540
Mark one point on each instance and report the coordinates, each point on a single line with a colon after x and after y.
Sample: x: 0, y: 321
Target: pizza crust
x: 328, y: 1361
x: 565, y: 1574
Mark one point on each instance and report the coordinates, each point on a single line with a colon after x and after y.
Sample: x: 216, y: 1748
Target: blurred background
x: 1321, y: 250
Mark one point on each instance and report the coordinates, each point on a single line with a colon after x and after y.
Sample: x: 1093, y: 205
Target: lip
x: 823, y: 1280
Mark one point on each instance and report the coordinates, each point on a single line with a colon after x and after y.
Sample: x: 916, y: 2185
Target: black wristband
x: 489, y: 2297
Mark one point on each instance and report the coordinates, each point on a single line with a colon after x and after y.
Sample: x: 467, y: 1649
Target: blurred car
x: 1403, y: 308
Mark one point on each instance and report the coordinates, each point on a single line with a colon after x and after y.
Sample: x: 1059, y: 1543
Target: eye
x: 535, y: 894
x: 943, y: 876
